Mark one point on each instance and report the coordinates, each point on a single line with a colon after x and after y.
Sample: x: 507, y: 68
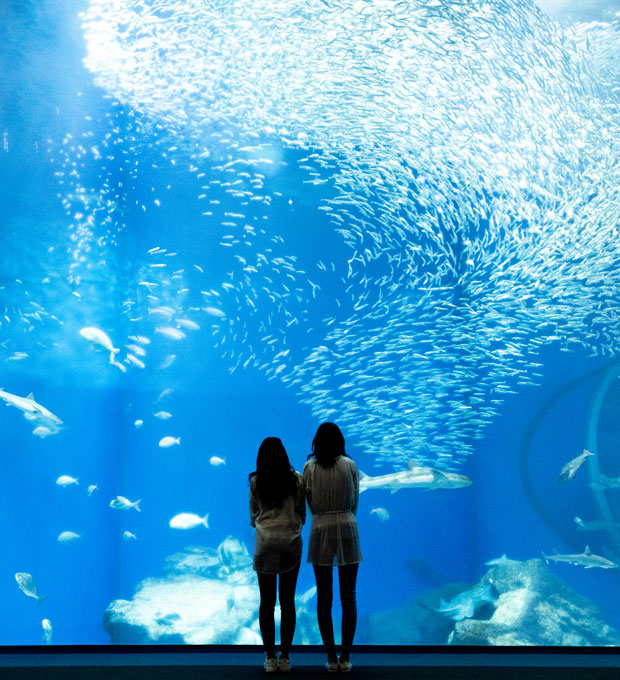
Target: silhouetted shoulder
x: 345, y: 461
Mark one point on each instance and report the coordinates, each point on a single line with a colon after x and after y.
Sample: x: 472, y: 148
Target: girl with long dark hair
x: 331, y: 482
x: 278, y: 511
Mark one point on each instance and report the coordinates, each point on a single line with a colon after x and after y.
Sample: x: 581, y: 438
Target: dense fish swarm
x: 407, y: 199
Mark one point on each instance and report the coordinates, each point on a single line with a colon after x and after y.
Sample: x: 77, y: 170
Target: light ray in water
x: 462, y: 162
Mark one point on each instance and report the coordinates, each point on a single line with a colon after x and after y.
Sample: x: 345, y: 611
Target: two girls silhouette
x: 278, y: 494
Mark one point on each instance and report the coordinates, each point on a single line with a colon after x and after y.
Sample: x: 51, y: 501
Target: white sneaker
x: 271, y: 665
x: 284, y: 665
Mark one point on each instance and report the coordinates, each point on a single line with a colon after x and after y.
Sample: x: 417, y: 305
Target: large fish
x: 585, y: 559
x: 97, y: 337
x: 188, y: 520
x: 570, y: 469
x: 28, y: 586
x: 415, y: 477
x: 34, y: 412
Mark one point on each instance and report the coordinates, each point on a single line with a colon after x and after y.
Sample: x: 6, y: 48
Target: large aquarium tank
x: 223, y: 220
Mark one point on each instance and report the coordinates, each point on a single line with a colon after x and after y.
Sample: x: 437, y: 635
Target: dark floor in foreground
x: 254, y: 673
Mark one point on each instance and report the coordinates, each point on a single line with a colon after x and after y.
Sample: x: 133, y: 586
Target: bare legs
x: 347, y: 576
x: 267, y: 585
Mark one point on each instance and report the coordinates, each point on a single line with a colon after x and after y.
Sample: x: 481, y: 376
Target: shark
x: 415, y: 477
x: 586, y: 559
x: 33, y: 412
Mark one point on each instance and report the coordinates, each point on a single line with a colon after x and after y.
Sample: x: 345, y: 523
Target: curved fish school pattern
x: 460, y: 160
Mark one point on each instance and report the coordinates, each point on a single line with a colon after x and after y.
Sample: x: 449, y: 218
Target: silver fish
x: 28, y: 586
x: 122, y: 503
x: 570, y: 469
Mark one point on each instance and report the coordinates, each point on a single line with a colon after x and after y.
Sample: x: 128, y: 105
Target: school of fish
x: 455, y: 167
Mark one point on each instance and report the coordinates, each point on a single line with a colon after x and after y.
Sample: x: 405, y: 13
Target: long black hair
x: 275, y: 478
x: 328, y: 444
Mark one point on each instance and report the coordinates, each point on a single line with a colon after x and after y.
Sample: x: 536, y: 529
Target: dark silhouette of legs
x: 267, y: 584
x: 267, y: 587
x: 288, y: 619
x: 324, y: 597
x: 347, y: 577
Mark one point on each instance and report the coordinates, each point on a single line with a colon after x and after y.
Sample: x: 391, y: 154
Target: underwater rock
x: 535, y: 607
x: 530, y: 606
x: 207, y: 596
x: 185, y: 609
x: 195, y: 559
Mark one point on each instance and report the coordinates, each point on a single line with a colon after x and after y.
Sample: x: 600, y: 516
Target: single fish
x: 33, y: 412
x: 28, y: 586
x: 164, y: 393
x: 585, y: 559
x: 97, y: 337
x: 42, y: 431
x: 128, y: 536
x: 464, y: 605
x: 135, y: 361
x: 68, y: 537
x: 214, y: 311
x: 163, y: 415
x: 415, y: 477
x: 122, y: 503
x: 170, y: 332
x: 570, y: 469
x: 67, y: 480
x: 167, y: 362
x: 216, y: 461
x: 166, y: 312
x: 188, y: 324
x: 46, y: 624
x: 381, y: 513
x: 166, y: 442
x: 138, y: 423
x: 188, y: 520
x: 91, y: 489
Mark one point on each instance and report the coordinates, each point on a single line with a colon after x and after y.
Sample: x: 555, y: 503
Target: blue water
x: 225, y: 389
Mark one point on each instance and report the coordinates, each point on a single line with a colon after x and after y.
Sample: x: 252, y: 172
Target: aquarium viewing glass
x: 230, y: 219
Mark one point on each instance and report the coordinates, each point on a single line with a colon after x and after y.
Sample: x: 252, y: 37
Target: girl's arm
x: 356, y: 489
x: 300, y: 504
x: 254, y: 507
x: 307, y: 479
